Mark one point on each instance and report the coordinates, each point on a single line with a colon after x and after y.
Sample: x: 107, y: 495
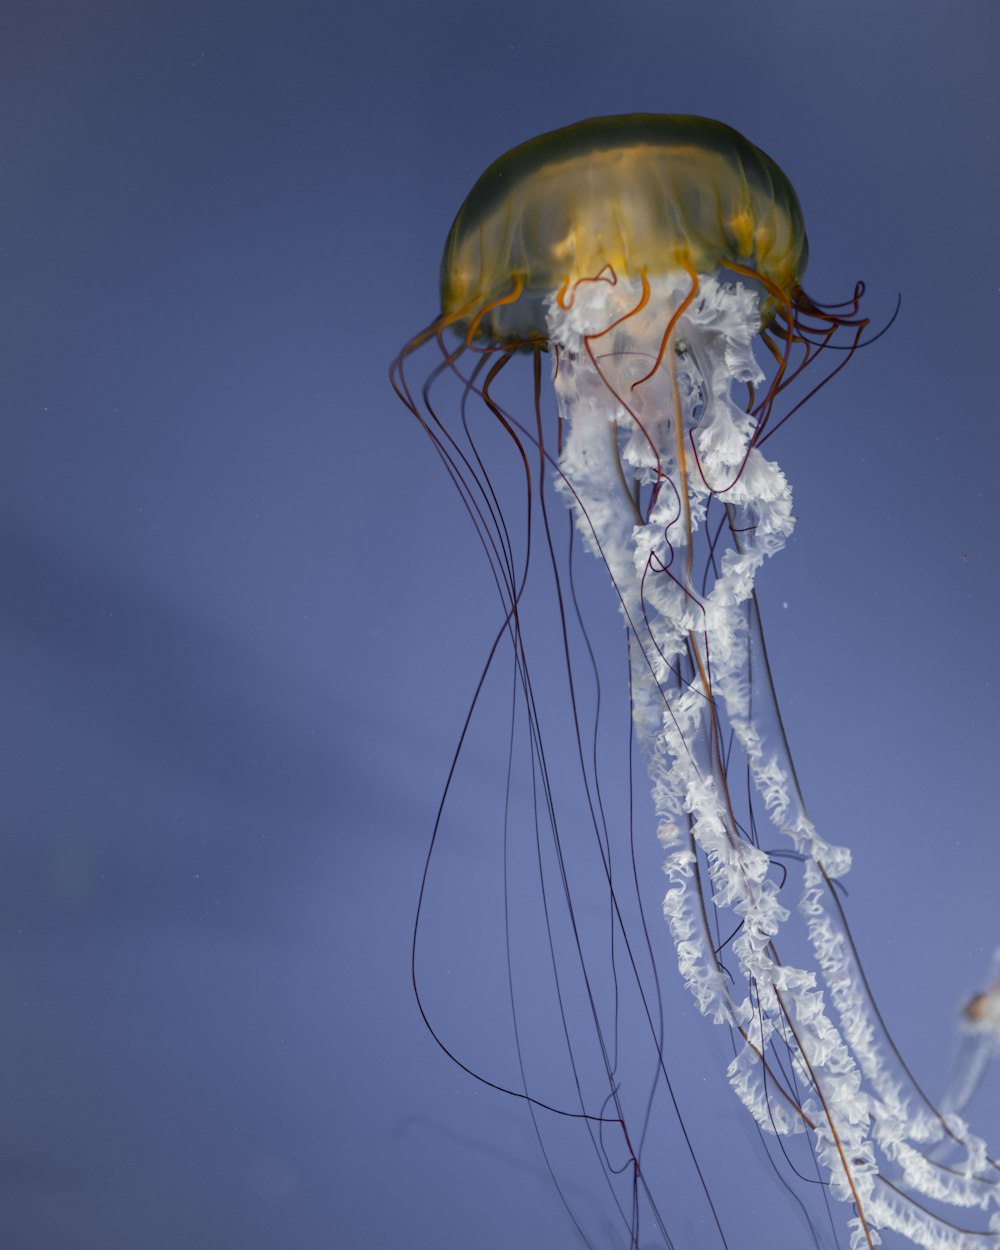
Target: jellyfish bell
x: 652, y: 265
x: 982, y: 1011
x: 643, y: 192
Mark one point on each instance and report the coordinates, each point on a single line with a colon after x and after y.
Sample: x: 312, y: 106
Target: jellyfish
x: 651, y: 267
x: 979, y: 1026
